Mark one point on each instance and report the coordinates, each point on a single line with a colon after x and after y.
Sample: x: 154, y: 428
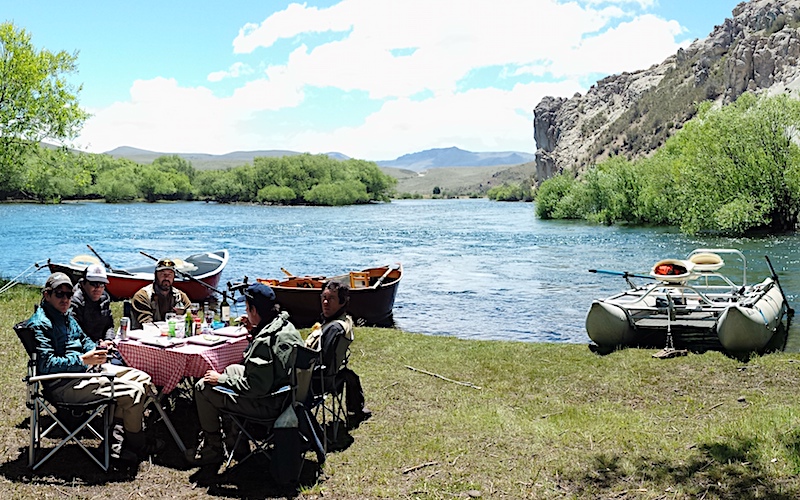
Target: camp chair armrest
x: 231, y: 392
x: 71, y: 376
x: 282, y: 390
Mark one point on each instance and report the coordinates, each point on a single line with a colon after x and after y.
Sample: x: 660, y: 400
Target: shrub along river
x: 473, y: 268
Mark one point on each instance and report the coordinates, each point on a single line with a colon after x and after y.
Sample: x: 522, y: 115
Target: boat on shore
x: 692, y: 305
x: 372, y: 294
x: 196, y: 273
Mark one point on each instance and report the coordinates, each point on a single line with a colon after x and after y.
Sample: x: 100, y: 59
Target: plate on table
x: 231, y: 331
x: 207, y: 339
x: 162, y: 341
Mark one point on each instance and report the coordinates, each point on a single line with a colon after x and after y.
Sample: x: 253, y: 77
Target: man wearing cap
x: 152, y: 302
x: 62, y: 347
x: 91, y: 305
x: 264, y: 370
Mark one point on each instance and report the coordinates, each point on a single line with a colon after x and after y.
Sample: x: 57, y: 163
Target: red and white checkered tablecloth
x: 168, y: 366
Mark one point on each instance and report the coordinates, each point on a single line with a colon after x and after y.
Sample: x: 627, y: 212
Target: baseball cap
x: 165, y: 263
x: 261, y: 296
x: 55, y: 280
x: 95, y: 272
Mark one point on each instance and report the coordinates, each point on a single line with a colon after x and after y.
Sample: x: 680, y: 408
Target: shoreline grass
x: 547, y: 421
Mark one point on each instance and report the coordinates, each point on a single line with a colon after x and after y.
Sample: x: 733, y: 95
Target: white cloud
x: 559, y: 42
x: 234, y: 71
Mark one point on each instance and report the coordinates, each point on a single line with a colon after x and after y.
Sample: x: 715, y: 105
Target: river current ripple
x: 473, y: 268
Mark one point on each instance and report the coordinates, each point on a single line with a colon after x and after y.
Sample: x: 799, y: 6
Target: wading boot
x: 208, y: 452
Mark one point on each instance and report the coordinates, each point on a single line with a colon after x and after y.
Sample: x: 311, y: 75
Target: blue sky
x: 372, y: 79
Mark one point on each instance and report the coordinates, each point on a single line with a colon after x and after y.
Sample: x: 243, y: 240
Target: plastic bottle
x: 189, y: 324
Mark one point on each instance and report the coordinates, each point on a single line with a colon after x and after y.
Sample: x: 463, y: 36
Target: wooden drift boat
x: 694, y: 306
x: 372, y: 294
x: 124, y: 283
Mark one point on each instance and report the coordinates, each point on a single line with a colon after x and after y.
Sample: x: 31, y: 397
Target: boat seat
x: 359, y: 279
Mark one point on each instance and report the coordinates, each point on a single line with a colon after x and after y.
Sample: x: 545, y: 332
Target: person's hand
x: 211, y: 377
x: 95, y: 357
x: 108, y: 345
x: 245, y: 322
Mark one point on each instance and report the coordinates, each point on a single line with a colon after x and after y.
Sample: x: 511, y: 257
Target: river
x: 474, y: 268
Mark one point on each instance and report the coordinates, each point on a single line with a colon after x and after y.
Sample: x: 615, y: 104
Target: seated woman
x: 61, y: 346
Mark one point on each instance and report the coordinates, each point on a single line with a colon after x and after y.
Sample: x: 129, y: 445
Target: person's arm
x: 183, y: 305
x: 108, y: 317
x: 47, y: 359
x: 141, y: 309
x: 256, y: 379
x: 76, y: 304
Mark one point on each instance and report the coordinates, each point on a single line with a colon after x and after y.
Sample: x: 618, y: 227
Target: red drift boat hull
x: 124, y: 283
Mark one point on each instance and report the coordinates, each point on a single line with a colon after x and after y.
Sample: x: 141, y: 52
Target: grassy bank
x: 539, y: 421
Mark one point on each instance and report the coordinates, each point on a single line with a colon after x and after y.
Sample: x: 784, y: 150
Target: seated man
x: 337, y: 323
x: 152, y: 302
x: 61, y: 346
x: 91, y: 304
x: 263, y: 371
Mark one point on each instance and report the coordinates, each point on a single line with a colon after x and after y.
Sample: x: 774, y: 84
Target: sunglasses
x: 96, y: 284
x: 61, y: 294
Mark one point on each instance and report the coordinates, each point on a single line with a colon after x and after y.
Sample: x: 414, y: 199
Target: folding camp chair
x: 74, y: 419
x: 261, y: 432
x: 328, y: 386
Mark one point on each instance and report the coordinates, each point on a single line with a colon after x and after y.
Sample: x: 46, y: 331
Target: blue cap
x: 261, y: 296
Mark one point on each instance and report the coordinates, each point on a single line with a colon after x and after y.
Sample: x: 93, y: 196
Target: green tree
x: 337, y: 193
x: 37, y: 102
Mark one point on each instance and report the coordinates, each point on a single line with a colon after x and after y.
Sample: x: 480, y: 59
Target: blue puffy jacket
x: 60, y: 342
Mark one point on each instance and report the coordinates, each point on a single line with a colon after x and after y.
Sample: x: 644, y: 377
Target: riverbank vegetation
x: 54, y: 175
x: 467, y: 418
x: 732, y: 169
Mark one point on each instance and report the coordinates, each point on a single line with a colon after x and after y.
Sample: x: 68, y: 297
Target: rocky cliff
x: 632, y: 114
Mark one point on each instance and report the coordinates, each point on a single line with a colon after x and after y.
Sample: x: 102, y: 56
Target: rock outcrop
x: 632, y: 114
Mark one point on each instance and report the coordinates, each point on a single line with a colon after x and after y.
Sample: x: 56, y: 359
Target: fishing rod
x: 186, y: 275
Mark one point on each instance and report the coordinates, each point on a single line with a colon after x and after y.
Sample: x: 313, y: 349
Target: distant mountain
x: 203, y: 161
x: 423, y: 160
x: 455, y: 157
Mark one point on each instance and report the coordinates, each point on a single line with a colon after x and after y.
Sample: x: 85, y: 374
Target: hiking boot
x: 355, y: 419
x: 143, y: 446
x: 209, y: 452
x: 204, y: 455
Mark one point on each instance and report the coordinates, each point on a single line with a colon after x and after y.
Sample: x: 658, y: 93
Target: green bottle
x: 225, y: 311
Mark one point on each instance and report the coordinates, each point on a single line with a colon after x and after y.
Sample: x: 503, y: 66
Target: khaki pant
x: 129, y: 393
x: 209, y: 402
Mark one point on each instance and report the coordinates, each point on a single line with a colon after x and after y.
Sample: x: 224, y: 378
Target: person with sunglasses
x: 152, y: 302
x: 91, y: 304
x: 62, y: 347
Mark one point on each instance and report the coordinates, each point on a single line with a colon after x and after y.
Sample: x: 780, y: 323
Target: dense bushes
x: 510, y: 192
x: 54, y: 175
x: 731, y: 169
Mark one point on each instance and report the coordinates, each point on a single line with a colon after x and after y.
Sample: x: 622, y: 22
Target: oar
x: 185, y: 275
x: 775, y: 278
x: 101, y: 259
x: 624, y: 274
x: 287, y: 273
x: 383, y: 277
